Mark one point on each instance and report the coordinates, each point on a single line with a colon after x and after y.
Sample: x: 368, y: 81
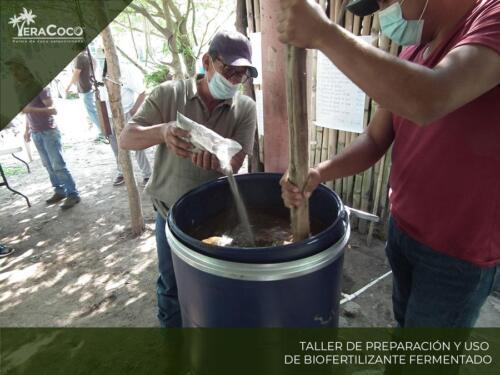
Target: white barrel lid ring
x: 258, y: 272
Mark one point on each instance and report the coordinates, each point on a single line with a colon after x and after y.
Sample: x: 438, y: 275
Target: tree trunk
x: 178, y: 66
x: 114, y: 95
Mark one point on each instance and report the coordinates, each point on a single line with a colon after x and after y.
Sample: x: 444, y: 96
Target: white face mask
x: 220, y: 87
x: 398, y: 29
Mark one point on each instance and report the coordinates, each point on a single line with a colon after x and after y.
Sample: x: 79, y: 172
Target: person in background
x: 41, y: 126
x: 82, y: 77
x: 132, y: 94
x: 212, y: 100
x: 438, y: 108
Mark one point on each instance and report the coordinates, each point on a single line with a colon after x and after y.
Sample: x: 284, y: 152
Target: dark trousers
x: 169, y: 313
x: 431, y: 289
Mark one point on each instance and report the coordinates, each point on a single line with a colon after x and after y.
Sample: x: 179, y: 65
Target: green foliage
x: 15, y: 171
x: 72, y: 95
x: 178, y: 32
x: 156, y: 77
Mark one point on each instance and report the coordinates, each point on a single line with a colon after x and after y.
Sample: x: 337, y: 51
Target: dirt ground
x: 81, y: 267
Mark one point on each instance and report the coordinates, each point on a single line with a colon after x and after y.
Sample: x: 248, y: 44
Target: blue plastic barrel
x: 296, y: 285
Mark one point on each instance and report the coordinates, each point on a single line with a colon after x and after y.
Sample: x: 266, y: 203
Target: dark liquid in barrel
x: 269, y: 228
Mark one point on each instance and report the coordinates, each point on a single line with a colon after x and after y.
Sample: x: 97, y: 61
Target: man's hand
x: 291, y: 194
x: 175, y: 139
x: 301, y: 23
x: 206, y: 160
x: 52, y: 111
x: 27, y: 136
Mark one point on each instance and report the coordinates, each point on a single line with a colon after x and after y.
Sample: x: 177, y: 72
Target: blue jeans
x: 140, y: 155
x: 169, y: 312
x: 48, y: 144
x: 89, y: 101
x: 432, y: 289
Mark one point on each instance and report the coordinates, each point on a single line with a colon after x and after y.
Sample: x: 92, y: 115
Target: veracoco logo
x: 50, y: 33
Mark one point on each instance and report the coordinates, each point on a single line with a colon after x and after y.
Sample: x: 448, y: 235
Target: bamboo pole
x: 324, y: 144
x: 336, y: 135
x: 299, y: 136
x: 358, y: 180
x: 351, y: 137
x: 347, y: 183
x: 255, y: 161
x: 241, y: 16
x: 315, y: 132
x: 325, y: 136
x: 256, y: 11
x: 367, y: 186
x: 250, y: 16
x: 311, y: 100
x: 332, y: 150
x: 333, y: 134
x: 318, y: 143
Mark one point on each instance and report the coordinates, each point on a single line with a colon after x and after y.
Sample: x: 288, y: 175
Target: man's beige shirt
x: 173, y: 176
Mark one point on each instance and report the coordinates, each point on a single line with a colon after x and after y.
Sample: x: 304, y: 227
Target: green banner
x: 39, y: 38
x: 362, y: 351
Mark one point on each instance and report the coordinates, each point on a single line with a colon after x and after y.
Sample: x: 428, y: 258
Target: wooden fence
x: 367, y: 191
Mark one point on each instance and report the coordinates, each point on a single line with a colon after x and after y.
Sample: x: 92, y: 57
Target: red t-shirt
x: 445, y: 177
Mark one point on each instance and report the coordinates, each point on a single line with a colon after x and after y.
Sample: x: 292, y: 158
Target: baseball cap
x: 362, y: 7
x: 234, y: 48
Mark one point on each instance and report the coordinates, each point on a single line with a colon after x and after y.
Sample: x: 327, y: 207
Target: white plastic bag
x: 205, y: 139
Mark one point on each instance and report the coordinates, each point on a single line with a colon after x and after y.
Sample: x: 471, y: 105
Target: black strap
x: 94, y: 81
x: 105, y: 69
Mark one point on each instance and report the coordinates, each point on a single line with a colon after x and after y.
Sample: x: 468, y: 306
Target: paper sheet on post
x: 205, y: 139
x: 340, y: 104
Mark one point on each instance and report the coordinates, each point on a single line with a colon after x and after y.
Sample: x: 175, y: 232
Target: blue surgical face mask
x: 220, y: 87
x: 402, y: 31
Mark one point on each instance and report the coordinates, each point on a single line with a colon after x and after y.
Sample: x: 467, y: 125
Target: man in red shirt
x: 438, y: 106
x: 41, y: 127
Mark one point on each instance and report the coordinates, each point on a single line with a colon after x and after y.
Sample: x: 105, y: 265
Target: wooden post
x: 115, y: 101
x: 276, y: 143
x: 299, y: 135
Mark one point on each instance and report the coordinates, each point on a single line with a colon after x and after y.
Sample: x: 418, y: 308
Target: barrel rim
x: 258, y: 271
x: 216, y: 251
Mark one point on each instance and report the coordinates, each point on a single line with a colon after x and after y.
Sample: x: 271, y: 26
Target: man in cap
x: 212, y: 100
x: 437, y: 106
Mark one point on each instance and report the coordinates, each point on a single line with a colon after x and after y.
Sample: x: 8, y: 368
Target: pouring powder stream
x: 225, y: 162
x: 224, y: 149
